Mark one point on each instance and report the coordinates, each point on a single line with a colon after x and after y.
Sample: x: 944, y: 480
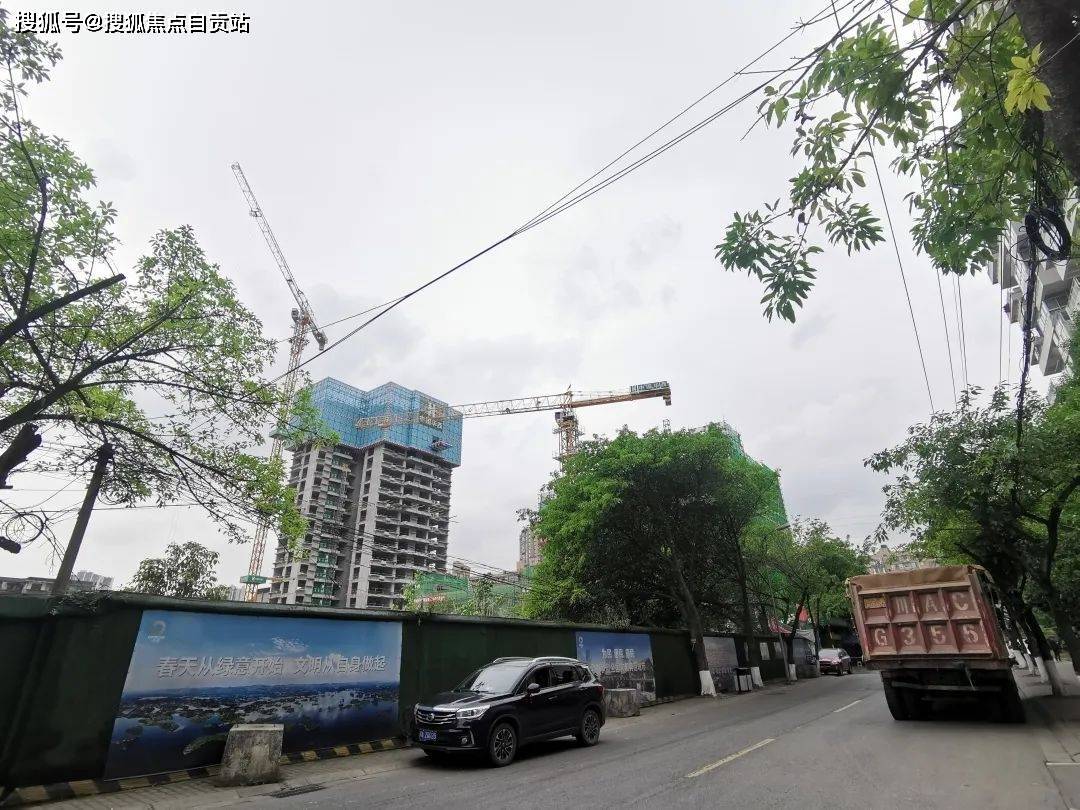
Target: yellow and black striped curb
x: 94, y: 787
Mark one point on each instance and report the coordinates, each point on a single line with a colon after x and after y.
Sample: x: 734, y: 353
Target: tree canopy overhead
x: 977, y: 103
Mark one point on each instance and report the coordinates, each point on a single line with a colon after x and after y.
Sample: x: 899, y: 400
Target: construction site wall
x: 70, y: 673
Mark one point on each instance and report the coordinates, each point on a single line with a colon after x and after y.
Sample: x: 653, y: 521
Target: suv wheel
x: 502, y: 745
x: 589, y: 731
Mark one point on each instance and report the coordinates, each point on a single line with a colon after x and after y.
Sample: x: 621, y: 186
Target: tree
x: 88, y: 353
x: 805, y: 568
x: 186, y: 571
x: 477, y: 597
x: 971, y: 495
x: 979, y: 103
x: 648, y: 527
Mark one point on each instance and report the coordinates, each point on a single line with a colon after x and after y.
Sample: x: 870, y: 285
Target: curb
x: 663, y: 700
x: 93, y: 787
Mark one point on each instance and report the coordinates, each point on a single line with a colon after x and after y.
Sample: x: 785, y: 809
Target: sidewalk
x: 1057, y: 727
x: 200, y: 793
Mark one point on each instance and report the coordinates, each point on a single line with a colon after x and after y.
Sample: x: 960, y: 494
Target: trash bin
x: 744, y: 681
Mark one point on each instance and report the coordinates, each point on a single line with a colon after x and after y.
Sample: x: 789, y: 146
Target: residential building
x: 377, y: 503
x: 1056, y: 299
x: 98, y: 582
x: 37, y: 586
x: 529, y: 545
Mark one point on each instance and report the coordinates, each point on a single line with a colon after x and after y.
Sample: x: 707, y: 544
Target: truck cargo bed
x: 927, y: 617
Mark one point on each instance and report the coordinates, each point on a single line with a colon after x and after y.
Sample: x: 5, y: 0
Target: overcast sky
x: 388, y: 141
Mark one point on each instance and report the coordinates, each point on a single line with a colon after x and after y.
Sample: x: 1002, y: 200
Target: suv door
x: 533, y: 709
x: 565, y: 697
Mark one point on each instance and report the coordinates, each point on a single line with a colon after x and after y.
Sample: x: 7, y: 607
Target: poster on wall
x: 193, y: 675
x: 723, y: 659
x: 620, y: 660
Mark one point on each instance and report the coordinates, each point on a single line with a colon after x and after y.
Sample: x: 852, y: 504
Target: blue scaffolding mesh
x: 430, y: 424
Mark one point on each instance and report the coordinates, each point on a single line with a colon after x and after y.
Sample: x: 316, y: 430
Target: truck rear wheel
x: 1009, y: 704
x: 895, y: 700
x: 917, y: 708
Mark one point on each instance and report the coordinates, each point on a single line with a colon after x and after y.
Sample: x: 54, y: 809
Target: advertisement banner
x: 620, y: 660
x: 723, y: 659
x: 193, y: 675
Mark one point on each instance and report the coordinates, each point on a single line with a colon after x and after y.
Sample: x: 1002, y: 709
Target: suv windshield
x: 830, y: 655
x: 494, y: 678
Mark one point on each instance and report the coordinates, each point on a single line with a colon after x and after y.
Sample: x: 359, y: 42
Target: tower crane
x: 565, y: 406
x: 304, y: 324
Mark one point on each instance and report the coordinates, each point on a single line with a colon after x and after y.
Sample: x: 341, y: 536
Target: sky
x: 386, y: 142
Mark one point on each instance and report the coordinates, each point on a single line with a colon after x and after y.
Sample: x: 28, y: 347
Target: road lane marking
x: 734, y: 756
x: 835, y: 711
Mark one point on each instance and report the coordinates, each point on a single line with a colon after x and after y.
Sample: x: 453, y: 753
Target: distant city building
x: 377, y: 503
x: 236, y: 593
x: 99, y: 582
x: 37, y: 586
x: 1056, y: 299
x: 887, y: 559
x: 529, y: 546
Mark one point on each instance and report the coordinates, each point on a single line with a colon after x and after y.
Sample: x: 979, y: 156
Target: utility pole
x: 63, y: 576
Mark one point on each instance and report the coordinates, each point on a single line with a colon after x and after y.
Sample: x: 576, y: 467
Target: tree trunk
x: 1050, y: 22
x: 753, y: 654
x: 697, y: 631
x: 1066, y: 634
x: 1045, y: 657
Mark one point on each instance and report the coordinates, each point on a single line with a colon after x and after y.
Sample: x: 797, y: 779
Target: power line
x: 574, y: 197
x: 958, y: 303
x: 903, y: 277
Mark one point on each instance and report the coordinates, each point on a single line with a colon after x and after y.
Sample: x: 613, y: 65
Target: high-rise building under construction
x: 377, y: 503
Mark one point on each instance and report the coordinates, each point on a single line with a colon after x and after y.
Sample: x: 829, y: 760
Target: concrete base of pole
x: 791, y: 673
x: 622, y: 702
x: 708, y: 688
x: 252, y: 752
x: 1043, y: 676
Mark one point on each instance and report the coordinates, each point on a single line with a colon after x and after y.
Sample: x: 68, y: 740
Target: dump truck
x: 934, y: 633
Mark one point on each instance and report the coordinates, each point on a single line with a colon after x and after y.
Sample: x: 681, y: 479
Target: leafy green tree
x: 186, y: 571
x: 805, y: 568
x: 978, y: 103
x: 971, y: 495
x: 479, y: 597
x: 649, y: 527
x: 90, y: 353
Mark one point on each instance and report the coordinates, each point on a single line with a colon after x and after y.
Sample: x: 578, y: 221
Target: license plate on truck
x: 428, y: 736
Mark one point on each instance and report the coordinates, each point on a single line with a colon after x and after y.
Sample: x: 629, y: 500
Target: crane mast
x: 304, y: 323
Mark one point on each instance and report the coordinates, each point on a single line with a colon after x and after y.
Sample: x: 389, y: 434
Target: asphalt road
x: 823, y: 743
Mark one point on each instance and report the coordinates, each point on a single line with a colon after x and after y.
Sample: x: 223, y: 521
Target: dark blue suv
x: 511, y: 702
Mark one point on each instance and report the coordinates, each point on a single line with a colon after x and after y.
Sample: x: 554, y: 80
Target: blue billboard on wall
x: 193, y: 675
x: 620, y: 660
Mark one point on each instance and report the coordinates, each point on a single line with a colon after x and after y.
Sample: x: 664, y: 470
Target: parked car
x: 509, y: 703
x: 834, y: 660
